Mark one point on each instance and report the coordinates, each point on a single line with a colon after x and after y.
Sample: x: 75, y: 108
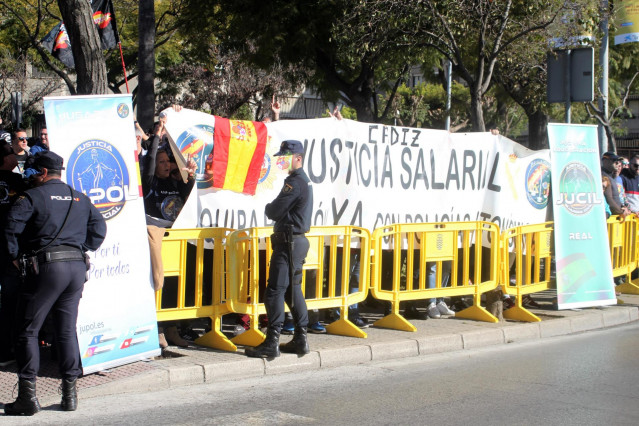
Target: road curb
x: 183, y: 372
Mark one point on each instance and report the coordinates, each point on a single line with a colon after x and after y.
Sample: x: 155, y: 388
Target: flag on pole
x: 57, y: 40
x: 104, y: 19
x: 238, y: 154
x: 57, y: 43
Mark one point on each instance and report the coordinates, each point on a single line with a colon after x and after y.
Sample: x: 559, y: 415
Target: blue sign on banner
x: 584, y: 269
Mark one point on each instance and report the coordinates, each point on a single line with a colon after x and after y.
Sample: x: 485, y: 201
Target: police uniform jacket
x: 37, y: 216
x: 293, y: 205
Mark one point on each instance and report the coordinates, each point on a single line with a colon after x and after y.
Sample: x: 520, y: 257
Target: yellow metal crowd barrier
x: 175, y: 246
x: 467, y: 258
x: 529, y: 249
x: 401, y: 253
x: 249, y: 252
x: 623, y: 238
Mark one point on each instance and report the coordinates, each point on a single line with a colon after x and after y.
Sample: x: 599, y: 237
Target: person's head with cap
x: 8, y: 160
x: 295, y: 150
x: 48, y: 164
x: 608, y: 160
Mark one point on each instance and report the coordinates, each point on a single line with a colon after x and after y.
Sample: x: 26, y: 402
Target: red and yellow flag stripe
x: 238, y: 154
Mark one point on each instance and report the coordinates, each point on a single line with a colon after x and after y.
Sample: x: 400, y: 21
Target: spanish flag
x: 238, y: 154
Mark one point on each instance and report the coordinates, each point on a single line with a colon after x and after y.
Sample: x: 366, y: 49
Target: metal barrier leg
x: 628, y: 287
x: 519, y: 313
x: 395, y: 321
x: 477, y: 312
x: 251, y: 337
x: 344, y: 327
x: 215, y: 338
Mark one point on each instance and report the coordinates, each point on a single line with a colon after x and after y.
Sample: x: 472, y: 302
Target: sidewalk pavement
x: 194, y: 365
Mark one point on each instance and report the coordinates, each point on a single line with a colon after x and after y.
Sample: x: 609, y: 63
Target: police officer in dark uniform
x: 291, y: 211
x: 47, y: 232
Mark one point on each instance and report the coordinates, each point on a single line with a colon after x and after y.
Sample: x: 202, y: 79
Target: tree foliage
x: 228, y: 86
x: 323, y: 36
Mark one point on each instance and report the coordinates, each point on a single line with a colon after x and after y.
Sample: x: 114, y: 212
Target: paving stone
x: 287, y: 363
x: 241, y: 368
x: 351, y: 355
x: 521, y: 332
x: 557, y: 327
x: 440, y: 343
x: 587, y: 322
x: 393, y: 350
x: 479, y: 338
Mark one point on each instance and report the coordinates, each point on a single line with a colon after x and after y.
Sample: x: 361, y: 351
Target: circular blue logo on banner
x: 196, y: 143
x: 97, y: 169
x: 538, y: 183
x: 123, y: 110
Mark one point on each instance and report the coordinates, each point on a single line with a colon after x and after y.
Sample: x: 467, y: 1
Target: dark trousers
x: 57, y: 288
x: 278, y: 283
x: 10, y: 282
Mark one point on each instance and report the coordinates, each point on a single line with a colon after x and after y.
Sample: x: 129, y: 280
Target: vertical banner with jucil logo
x: 95, y: 135
x: 584, y: 269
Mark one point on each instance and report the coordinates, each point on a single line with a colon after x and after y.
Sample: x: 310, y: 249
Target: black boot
x: 27, y: 403
x: 270, y: 347
x: 69, y: 395
x: 299, y: 343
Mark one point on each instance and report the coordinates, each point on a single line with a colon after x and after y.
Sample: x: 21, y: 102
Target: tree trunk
x: 537, y: 130
x: 362, y: 107
x: 612, y: 143
x: 90, y: 65
x: 476, y: 111
x: 146, y: 64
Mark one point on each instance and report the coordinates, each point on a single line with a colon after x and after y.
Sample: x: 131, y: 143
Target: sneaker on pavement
x: 443, y: 309
x: 508, y: 303
x: 529, y: 302
x: 317, y: 328
x: 288, y: 327
x: 361, y: 322
x: 433, y: 312
x: 238, y: 329
x: 412, y: 313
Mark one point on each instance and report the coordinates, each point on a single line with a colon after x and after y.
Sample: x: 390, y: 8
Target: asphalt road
x: 585, y: 379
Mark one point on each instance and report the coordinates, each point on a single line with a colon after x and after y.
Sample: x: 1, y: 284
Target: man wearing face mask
x: 291, y: 211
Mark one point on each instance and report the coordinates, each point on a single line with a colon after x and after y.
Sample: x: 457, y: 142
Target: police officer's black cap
x: 611, y: 156
x: 290, y: 147
x: 48, y: 160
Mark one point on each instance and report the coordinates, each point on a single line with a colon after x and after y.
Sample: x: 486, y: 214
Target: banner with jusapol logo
x: 584, y: 270
x: 96, y: 137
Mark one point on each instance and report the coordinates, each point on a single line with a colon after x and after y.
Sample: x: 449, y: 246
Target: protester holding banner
x: 53, y: 264
x: 164, y: 198
x: 291, y: 211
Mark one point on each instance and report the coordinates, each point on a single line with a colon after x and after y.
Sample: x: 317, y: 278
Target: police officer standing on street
x: 47, y: 233
x: 291, y: 211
